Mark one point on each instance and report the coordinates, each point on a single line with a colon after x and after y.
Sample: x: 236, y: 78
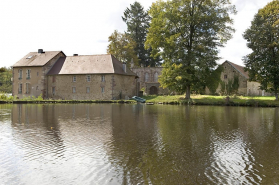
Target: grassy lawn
x: 266, y: 101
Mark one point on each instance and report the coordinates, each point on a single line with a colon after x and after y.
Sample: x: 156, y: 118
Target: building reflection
x: 152, y: 144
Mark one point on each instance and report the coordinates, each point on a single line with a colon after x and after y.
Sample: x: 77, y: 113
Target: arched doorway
x: 153, y: 90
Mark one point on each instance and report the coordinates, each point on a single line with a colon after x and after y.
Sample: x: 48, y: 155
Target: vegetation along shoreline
x: 248, y: 101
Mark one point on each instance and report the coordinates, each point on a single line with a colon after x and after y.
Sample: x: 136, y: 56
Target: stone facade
x: 87, y: 77
x: 228, y: 74
x: 246, y: 87
x: 100, y: 87
x: 148, y: 79
x: 31, y: 80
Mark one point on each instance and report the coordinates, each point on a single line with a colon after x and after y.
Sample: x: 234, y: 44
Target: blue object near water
x: 138, y: 99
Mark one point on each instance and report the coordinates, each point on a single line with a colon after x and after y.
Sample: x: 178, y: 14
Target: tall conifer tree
x: 137, y: 20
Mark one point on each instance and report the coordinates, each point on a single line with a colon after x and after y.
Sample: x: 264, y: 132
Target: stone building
x: 98, y: 77
x: 148, y: 80
x: 30, y: 73
x: 246, y: 87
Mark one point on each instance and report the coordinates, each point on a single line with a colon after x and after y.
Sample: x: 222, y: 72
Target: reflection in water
x: 138, y: 144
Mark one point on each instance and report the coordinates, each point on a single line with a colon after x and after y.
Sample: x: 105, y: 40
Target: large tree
x: 122, y: 46
x: 263, y: 38
x: 187, y: 34
x: 137, y: 20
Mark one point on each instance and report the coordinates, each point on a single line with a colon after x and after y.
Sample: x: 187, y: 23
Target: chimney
x: 75, y: 55
x: 124, y: 66
x: 40, y: 51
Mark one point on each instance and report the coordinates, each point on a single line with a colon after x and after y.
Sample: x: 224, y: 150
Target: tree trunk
x: 187, y: 92
x: 276, y: 96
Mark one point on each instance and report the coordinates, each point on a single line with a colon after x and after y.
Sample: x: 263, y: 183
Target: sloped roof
x: 89, y: 64
x: 36, y: 59
x: 239, y: 69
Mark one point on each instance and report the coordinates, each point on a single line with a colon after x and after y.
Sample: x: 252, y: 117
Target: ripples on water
x: 138, y: 144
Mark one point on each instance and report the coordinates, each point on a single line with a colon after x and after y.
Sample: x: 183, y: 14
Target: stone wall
x: 148, y: 79
x: 37, y: 83
x: 228, y: 74
x: 46, y: 69
x: 113, y: 87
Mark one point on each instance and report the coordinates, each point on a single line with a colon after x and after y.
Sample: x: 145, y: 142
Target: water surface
x: 138, y: 144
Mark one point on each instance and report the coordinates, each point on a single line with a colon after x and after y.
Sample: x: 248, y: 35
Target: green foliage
x: 187, y: 34
x: 40, y: 97
x: 263, y: 38
x: 137, y: 20
x: 230, y: 87
x: 6, y: 75
x: 5, y: 97
x: 214, y: 79
x: 122, y: 46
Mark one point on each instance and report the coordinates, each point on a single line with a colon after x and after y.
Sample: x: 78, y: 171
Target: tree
x: 6, y: 75
x: 187, y: 34
x: 263, y: 38
x: 137, y: 20
x: 122, y: 47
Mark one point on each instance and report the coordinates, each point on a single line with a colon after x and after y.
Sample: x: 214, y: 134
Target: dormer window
x: 29, y: 57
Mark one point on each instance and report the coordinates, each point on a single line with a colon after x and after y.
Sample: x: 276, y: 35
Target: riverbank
x: 259, y: 101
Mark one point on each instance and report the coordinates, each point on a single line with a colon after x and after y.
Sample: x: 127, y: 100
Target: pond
x: 138, y: 144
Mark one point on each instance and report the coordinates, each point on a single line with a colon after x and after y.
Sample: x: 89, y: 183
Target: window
x: 53, y: 79
x: 29, y: 57
x: 20, y: 74
x: 37, y: 73
x: 225, y: 76
x: 74, y: 78
x: 103, y: 89
x: 88, y: 78
x: 20, y: 88
x: 27, y: 88
x: 53, y: 90
x: 87, y: 89
x: 37, y: 88
x: 146, y: 77
x: 28, y: 74
x: 156, y: 77
x: 103, y: 78
x: 74, y: 90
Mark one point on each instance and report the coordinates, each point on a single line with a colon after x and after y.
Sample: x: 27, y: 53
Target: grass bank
x: 256, y: 101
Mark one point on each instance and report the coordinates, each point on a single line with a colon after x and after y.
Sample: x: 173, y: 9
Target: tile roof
x: 36, y: 59
x: 89, y: 64
x: 239, y: 69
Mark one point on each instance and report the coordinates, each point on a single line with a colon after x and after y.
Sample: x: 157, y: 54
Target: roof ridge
x: 89, y: 55
x: 235, y: 67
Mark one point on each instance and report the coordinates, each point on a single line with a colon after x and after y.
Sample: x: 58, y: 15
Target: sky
x: 83, y: 27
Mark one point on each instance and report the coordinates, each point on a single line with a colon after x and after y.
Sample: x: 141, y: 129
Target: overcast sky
x: 83, y: 26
